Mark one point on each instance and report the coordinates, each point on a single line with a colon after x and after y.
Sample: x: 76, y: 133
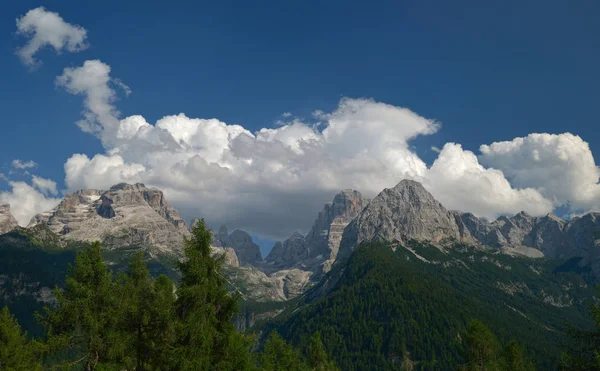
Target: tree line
x: 131, y: 321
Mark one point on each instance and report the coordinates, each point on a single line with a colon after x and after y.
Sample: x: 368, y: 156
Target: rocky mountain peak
x: 555, y: 218
x: 407, y: 211
x: 293, y: 250
x: 325, y: 235
x: 124, y: 215
x: 247, y: 251
x: 7, y: 220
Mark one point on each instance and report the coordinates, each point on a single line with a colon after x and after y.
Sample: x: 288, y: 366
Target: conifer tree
x: 17, y: 353
x: 147, y: 321
x: 82, y: 328
x: 482, y: 348
x: 279, y: 355
x: 584, y: 350
x: 514, y: 359
x: 206, y: 336
x: 318, y: 360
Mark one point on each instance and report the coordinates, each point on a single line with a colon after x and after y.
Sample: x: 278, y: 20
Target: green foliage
x: 206, y: 336
x: 484, y: 352
x: 135, y: 322
x: 387, y: 310
x: 146, y: 318
x: 85, y: 322
x: 583, y: 352
x: 28, y: 269
x: 318, y: 359
x: 514, y: 358
x: 390, y: 309
x: 17, y: 352
x: 482, y: 347
x: 279, y: 355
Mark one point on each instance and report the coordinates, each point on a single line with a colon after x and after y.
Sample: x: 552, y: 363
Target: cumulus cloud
x: 92, y: 81
x: 22, y: 165
x: 100, y: 172
x: 460, y: 182
x: 274, y: 180
x: 25, y: 201
x: 46, y: 186
x: 560, y: 166
x: 42, y: 28
x: 271, y: 181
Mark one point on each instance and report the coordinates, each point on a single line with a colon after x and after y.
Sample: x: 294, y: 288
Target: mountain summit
x: 407, y: 211
x: 7, y: 220
x: 123, y: 216
x: 318, y: 249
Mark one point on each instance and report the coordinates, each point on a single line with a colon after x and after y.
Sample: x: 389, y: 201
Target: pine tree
x: 17, y: 353
x: 161, y: 331
x: 318, y: 360
x: 482, y: 348
x: 279, y: 355
x: 584, y: 352
x: 147, y: 321
x: 206, y: 336
x: 83, y: 327
x: 513, y: 358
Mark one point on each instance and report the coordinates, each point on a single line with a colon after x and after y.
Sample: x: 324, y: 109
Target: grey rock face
x: 408, y: 211
x: 240, y: 243
x: 247, y: 251
x: 317, y: 251
x: 293, y: 250
x: 7, y: 220
x: 125, y: 215
x: 231, y: 257
x: 325, y: 236
x: 222, y: 236
x: 404, y: 212
x: 546, y: 234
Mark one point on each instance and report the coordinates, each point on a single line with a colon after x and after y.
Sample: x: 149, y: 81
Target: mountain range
x: 135, y: 216
x: 541, y: 269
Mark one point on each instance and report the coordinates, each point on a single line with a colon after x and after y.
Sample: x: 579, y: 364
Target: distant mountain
x: 408, y: 211
x: 404, y: 212
x: 247, y: 252
x: 7, y: 220
x: 124, y: 216
x: 318, y: 249
x: 131, y: 217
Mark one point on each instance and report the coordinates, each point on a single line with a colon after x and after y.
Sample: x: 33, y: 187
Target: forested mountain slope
x: 416, y: 301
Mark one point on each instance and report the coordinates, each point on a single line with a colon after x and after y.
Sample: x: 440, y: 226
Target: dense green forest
x: 131, y: 321
x: 390, y: 305
x: 391, y: 308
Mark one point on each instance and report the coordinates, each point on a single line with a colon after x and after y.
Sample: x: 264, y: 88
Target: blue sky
x: 486, y: 72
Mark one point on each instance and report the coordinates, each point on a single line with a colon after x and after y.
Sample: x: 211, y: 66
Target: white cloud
x: 460, y: 182
x: 100, y: 172
x: 92, y: 80
x: 271, y: 182
x: 42, y: 28
x: 560, y: 166
x: 25, y: 201
x: 46, y: 186
x: 21, y: 165
x: 274, y: 181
